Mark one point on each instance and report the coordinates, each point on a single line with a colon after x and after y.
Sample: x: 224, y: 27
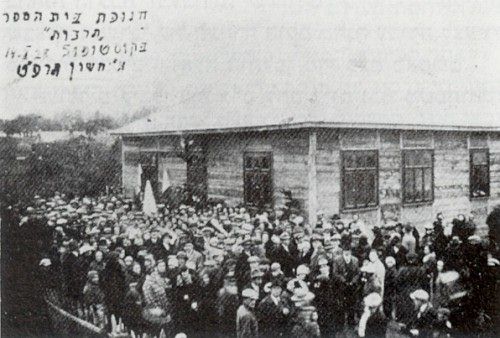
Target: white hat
x: 86, y: 248
x: 449, y: 276
x: 61, y: 221
x: 302, y: 270
x: 389, y: 260
x: 45, y: 262
x: 373, y: 300
x: 250, y: 293
x: 420, y: 295
x: 474, y: 238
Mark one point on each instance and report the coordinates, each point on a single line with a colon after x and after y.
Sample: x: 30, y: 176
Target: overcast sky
x: 244, y: 49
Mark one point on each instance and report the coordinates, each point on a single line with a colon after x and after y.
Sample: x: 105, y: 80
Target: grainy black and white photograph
x: 250, y: 168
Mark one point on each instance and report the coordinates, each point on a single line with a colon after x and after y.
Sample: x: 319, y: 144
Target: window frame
x: 404, y: 169
x: 343, y: 154
x: 269, y: 155
x: 471, y: 166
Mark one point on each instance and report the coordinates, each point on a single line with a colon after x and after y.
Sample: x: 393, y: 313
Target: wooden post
x: 311, y: 179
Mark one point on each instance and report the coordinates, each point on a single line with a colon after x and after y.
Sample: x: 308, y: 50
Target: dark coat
x: 399, y: 256
x: 328, y: 305
x: 247, y: 325
x: 409, y: 279
x: 272, y: 320
x: 425, y: 323
x: 376, y: 326
x: 114, y: 286
x: 347, y: 274
x: 227, y: 305
x: 286, y: 259
x: 241, y: 271
x: 71, y: 276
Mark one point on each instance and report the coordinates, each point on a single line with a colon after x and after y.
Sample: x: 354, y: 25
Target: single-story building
x: 368, y: 109
x: 379, y: 171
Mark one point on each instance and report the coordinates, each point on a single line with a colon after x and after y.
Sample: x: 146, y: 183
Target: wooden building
x: 379, y: 171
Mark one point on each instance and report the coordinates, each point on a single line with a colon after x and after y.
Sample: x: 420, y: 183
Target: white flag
x: 149, y: 204
x: 166, y: 180
x: 138, y: 183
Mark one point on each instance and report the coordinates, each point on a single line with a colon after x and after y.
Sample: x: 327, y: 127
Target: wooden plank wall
x: 290, y: 156
x: 225, y: 163
x: 451, y: 178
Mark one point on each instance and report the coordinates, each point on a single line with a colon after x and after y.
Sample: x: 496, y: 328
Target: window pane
x: 248, y: 162
x: 419, y: 194
x: 350, y: 189
x: 408, y: 186
x: 349, y: 160
x: 424, y: 158
x: 371, y: 160
x: 480, y: 185
x: 410, y: 158
x: 265, y: 164
x: 368, y: 189
x: 479, y: 157
x: 428, y: 184
x: 361, y: 160
x: 418, y: 158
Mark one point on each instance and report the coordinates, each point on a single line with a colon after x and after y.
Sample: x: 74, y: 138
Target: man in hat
x: 71, y: 274
x: 424, y: 317
x: 429, y: 237
x: 242, y: 266
x: 327, y: 301
x: 247, y: 325
x: 193, y: 255
x: 390, y: 286
x: 227, y: 305
x: 186, y: 300
x: 276, y: 270
x: 332, y: 248
x: 273, y: 311
x: 373, y: 322
x: 346, y: 276
x: 256, y: 283
x: 284, y: 256
x: 304, y: 252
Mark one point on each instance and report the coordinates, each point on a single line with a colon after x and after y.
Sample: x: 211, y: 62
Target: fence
x: 88, y: 323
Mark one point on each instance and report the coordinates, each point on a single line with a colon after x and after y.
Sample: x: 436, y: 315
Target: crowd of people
x: 228, y: 271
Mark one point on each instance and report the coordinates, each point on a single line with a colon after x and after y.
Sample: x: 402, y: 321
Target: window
x: 479, y: 173
x: 258, y: 182
x: 418, y: 176
x: 359, y: 179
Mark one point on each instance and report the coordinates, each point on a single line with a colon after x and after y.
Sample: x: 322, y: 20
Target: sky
x: 407, y: 56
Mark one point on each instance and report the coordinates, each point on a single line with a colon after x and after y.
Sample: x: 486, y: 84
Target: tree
x: 12, y: 127
x: 94, y: 126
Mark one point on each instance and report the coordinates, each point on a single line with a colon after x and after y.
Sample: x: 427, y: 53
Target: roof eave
x: 300, y: 125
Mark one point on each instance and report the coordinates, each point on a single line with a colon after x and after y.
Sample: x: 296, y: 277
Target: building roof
x: 422, y: 65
